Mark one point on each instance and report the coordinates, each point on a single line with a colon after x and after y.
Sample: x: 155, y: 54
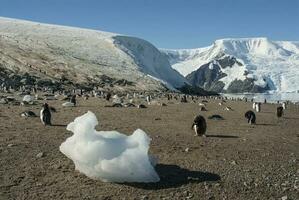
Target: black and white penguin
x: 28, y: 113
x: 199, y: 126
x: 184, y: 99
x: 148, y: 99
x: 284, y: 105
x: 45, y: 115
x: 279, y: 111
x: 258, y: 107
x: 250, y: 116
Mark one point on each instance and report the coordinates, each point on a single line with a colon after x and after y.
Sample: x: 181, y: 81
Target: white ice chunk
x: 109, y: 155
x: 28, y: 98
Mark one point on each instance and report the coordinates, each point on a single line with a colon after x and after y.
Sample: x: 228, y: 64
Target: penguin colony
x: 199, y: 124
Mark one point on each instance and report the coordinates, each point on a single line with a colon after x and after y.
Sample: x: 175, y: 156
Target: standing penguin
x: 250, y: 116
x: 284, y: 105
x: 200, y: 126
x: 45, y: 115
x: 253, y: 105
x: 279, y: 111
x: 73, y: 100
x: 258, y: 107
x: 148, y: 99
x: 108, y: 96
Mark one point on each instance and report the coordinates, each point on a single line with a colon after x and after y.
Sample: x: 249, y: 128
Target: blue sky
x: 167, y: 23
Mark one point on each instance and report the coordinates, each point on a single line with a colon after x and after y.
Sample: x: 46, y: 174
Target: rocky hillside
x: 240, y: 65
x: 34, y: 52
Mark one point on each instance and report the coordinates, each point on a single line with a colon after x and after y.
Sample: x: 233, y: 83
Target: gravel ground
x: 235, y: 161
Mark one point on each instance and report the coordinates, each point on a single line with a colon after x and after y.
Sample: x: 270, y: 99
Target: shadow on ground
x: 266, y: 124
x: 59, y: 125
x: 173, y: 176
x: 222, y: 136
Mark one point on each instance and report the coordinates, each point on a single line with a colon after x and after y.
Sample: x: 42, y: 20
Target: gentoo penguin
x: 199, y: 126
x: 45, y: 115
x: 279, y: 111
x: 250, y: 116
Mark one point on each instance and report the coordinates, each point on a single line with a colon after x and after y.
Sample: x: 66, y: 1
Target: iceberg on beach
x: 109, y: 155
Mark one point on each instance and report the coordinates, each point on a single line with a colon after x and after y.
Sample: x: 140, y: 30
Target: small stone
x: 284, y: 197
x: 39, y: 184
x: 187, y: 149
x: 144, y: 197
x: 11, y: 145
x: 40, y: 155
x: 233, y: 162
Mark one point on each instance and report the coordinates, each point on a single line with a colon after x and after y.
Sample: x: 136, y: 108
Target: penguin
x: 258, y: 107
x: 108, y: 96
x: 228, y: 108
x: 141, y: 106
x: 28, y: 114
x: 148, y: 99
x: 73, y: 100
x: 199, y: 126
x: 253, y: 105
x: 279, y: 111
x: 250, y: 116
x: 284, y: 105
x: 184, y: 99
x: 45, y: 115
x: 203, y: 108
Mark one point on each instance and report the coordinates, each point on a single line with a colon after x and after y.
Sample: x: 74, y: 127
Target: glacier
x: 274, y: 64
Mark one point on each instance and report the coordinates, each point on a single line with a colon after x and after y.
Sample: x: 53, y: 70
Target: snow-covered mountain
x: 240, y: 65
x: 83, y: 56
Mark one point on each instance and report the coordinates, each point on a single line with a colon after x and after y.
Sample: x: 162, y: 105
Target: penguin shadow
x: 59, y: 125
x: 222, y: 136
x: 264, y: 124
x: 290, y: 117
x: 173, y: 176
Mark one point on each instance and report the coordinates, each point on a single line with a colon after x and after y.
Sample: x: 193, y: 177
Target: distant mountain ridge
x: 240, y: 65
x: 83, y: 56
